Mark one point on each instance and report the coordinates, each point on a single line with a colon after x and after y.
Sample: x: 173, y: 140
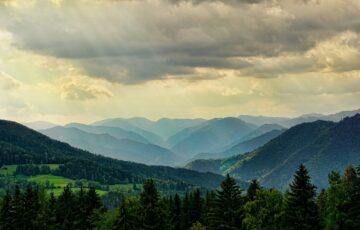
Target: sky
x: 86, y: 60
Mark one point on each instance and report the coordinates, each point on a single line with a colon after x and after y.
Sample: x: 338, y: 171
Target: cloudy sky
x: 67, y: 60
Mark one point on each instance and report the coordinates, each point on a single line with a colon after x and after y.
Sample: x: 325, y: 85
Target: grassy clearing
x: 60, y: 182
x: 8, y: 170
x: 57, y: 181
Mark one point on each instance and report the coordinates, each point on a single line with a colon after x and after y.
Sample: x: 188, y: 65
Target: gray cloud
x: 136, y: 41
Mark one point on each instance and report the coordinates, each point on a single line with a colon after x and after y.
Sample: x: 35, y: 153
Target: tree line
x: 229, y: 207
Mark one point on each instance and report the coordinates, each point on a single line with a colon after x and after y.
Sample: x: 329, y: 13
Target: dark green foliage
x: 34, y: 210
x: 175, y: 213
x: 31, y: 170
x: 227, y: 210
x: 195, y: 206
x: 343, y: 201
x: 185, y: 215
x: 265, y: 211
x: 301, y: 210
x: 253, y: 188
x: 150, y: 213
x: 5, y: 217
x: 335, y: 208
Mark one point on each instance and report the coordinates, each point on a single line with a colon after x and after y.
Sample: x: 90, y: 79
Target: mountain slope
x: 113, y: 131
x: 19, y: 144
x: 336, y: 117
x: 262, y: 120
x: 108, y: 145
x: 242, y: 147
x: 322, y: 146
x: 164, y: 127
x: 212, y: 136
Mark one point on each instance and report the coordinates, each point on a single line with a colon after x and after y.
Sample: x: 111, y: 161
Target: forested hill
x: 21, y: 145
x: 323, y: 146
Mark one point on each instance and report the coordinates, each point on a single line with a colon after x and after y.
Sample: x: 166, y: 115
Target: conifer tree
x: 228, y: 206
x: 81, y: 210
x: 17, y: 210
x: 51, y: 212
x: 31, y: 207
x: 351, y: 205
x: 253, y: 188
x: 185, y: 213
x: 5, y: 215
x: 65, y: 211
x: 150, y: 211
x: 195, y: 207
x: 301, y: 209
x: 208, y: 207
x: 176, y: 213
x: 123, y: 222
x: 93, y: 207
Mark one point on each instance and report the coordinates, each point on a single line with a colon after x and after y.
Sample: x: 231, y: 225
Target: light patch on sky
x: 83, y: 60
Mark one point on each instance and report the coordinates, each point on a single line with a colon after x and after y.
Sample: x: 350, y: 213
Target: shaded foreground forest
x: 229, y: 207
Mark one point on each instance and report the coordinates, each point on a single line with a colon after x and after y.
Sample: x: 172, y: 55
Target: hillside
x: 242, y: 147
x: 212, y: 136
x: 21, y: 145
x: 107, y: 145
x: 164, y: 127
x: 113, y: 131
x: 322, y: 146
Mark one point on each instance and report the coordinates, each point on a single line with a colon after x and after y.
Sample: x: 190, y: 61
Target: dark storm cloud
x: 136, y: 41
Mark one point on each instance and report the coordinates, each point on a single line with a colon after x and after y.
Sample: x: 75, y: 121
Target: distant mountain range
x: 21, y: 145
x: 289, y: 122
x: 174, y: 142
x: 322, y: 146
x: 113, y: 142
x: 164, y: 127
x: 246, y: 144
x: 211, y: 136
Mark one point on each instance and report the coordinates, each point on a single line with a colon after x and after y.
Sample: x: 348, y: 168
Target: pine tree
x: 301, y: 209
x: 175, y: 217
x: 208, y: 212
x: 185, y: 213
x: 123, y: 221
x: 51, y: 212
x: 150, y: 211
x: 5, y: 215
x: 93, y: 207
x: 65, y: 210
x: 17, y: 210
x: 195, y: 206
x: 253, y: 188
x: 321, y: 203
x: 352, y: 192
x: 228, y: 206
x: 31, y: 207
x: 81, y: 210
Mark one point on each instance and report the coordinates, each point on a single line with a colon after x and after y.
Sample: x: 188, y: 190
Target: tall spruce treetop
x: 253, y: 187
x: 301, y: 209
x: 228, y: 206
x: 150, y: 211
